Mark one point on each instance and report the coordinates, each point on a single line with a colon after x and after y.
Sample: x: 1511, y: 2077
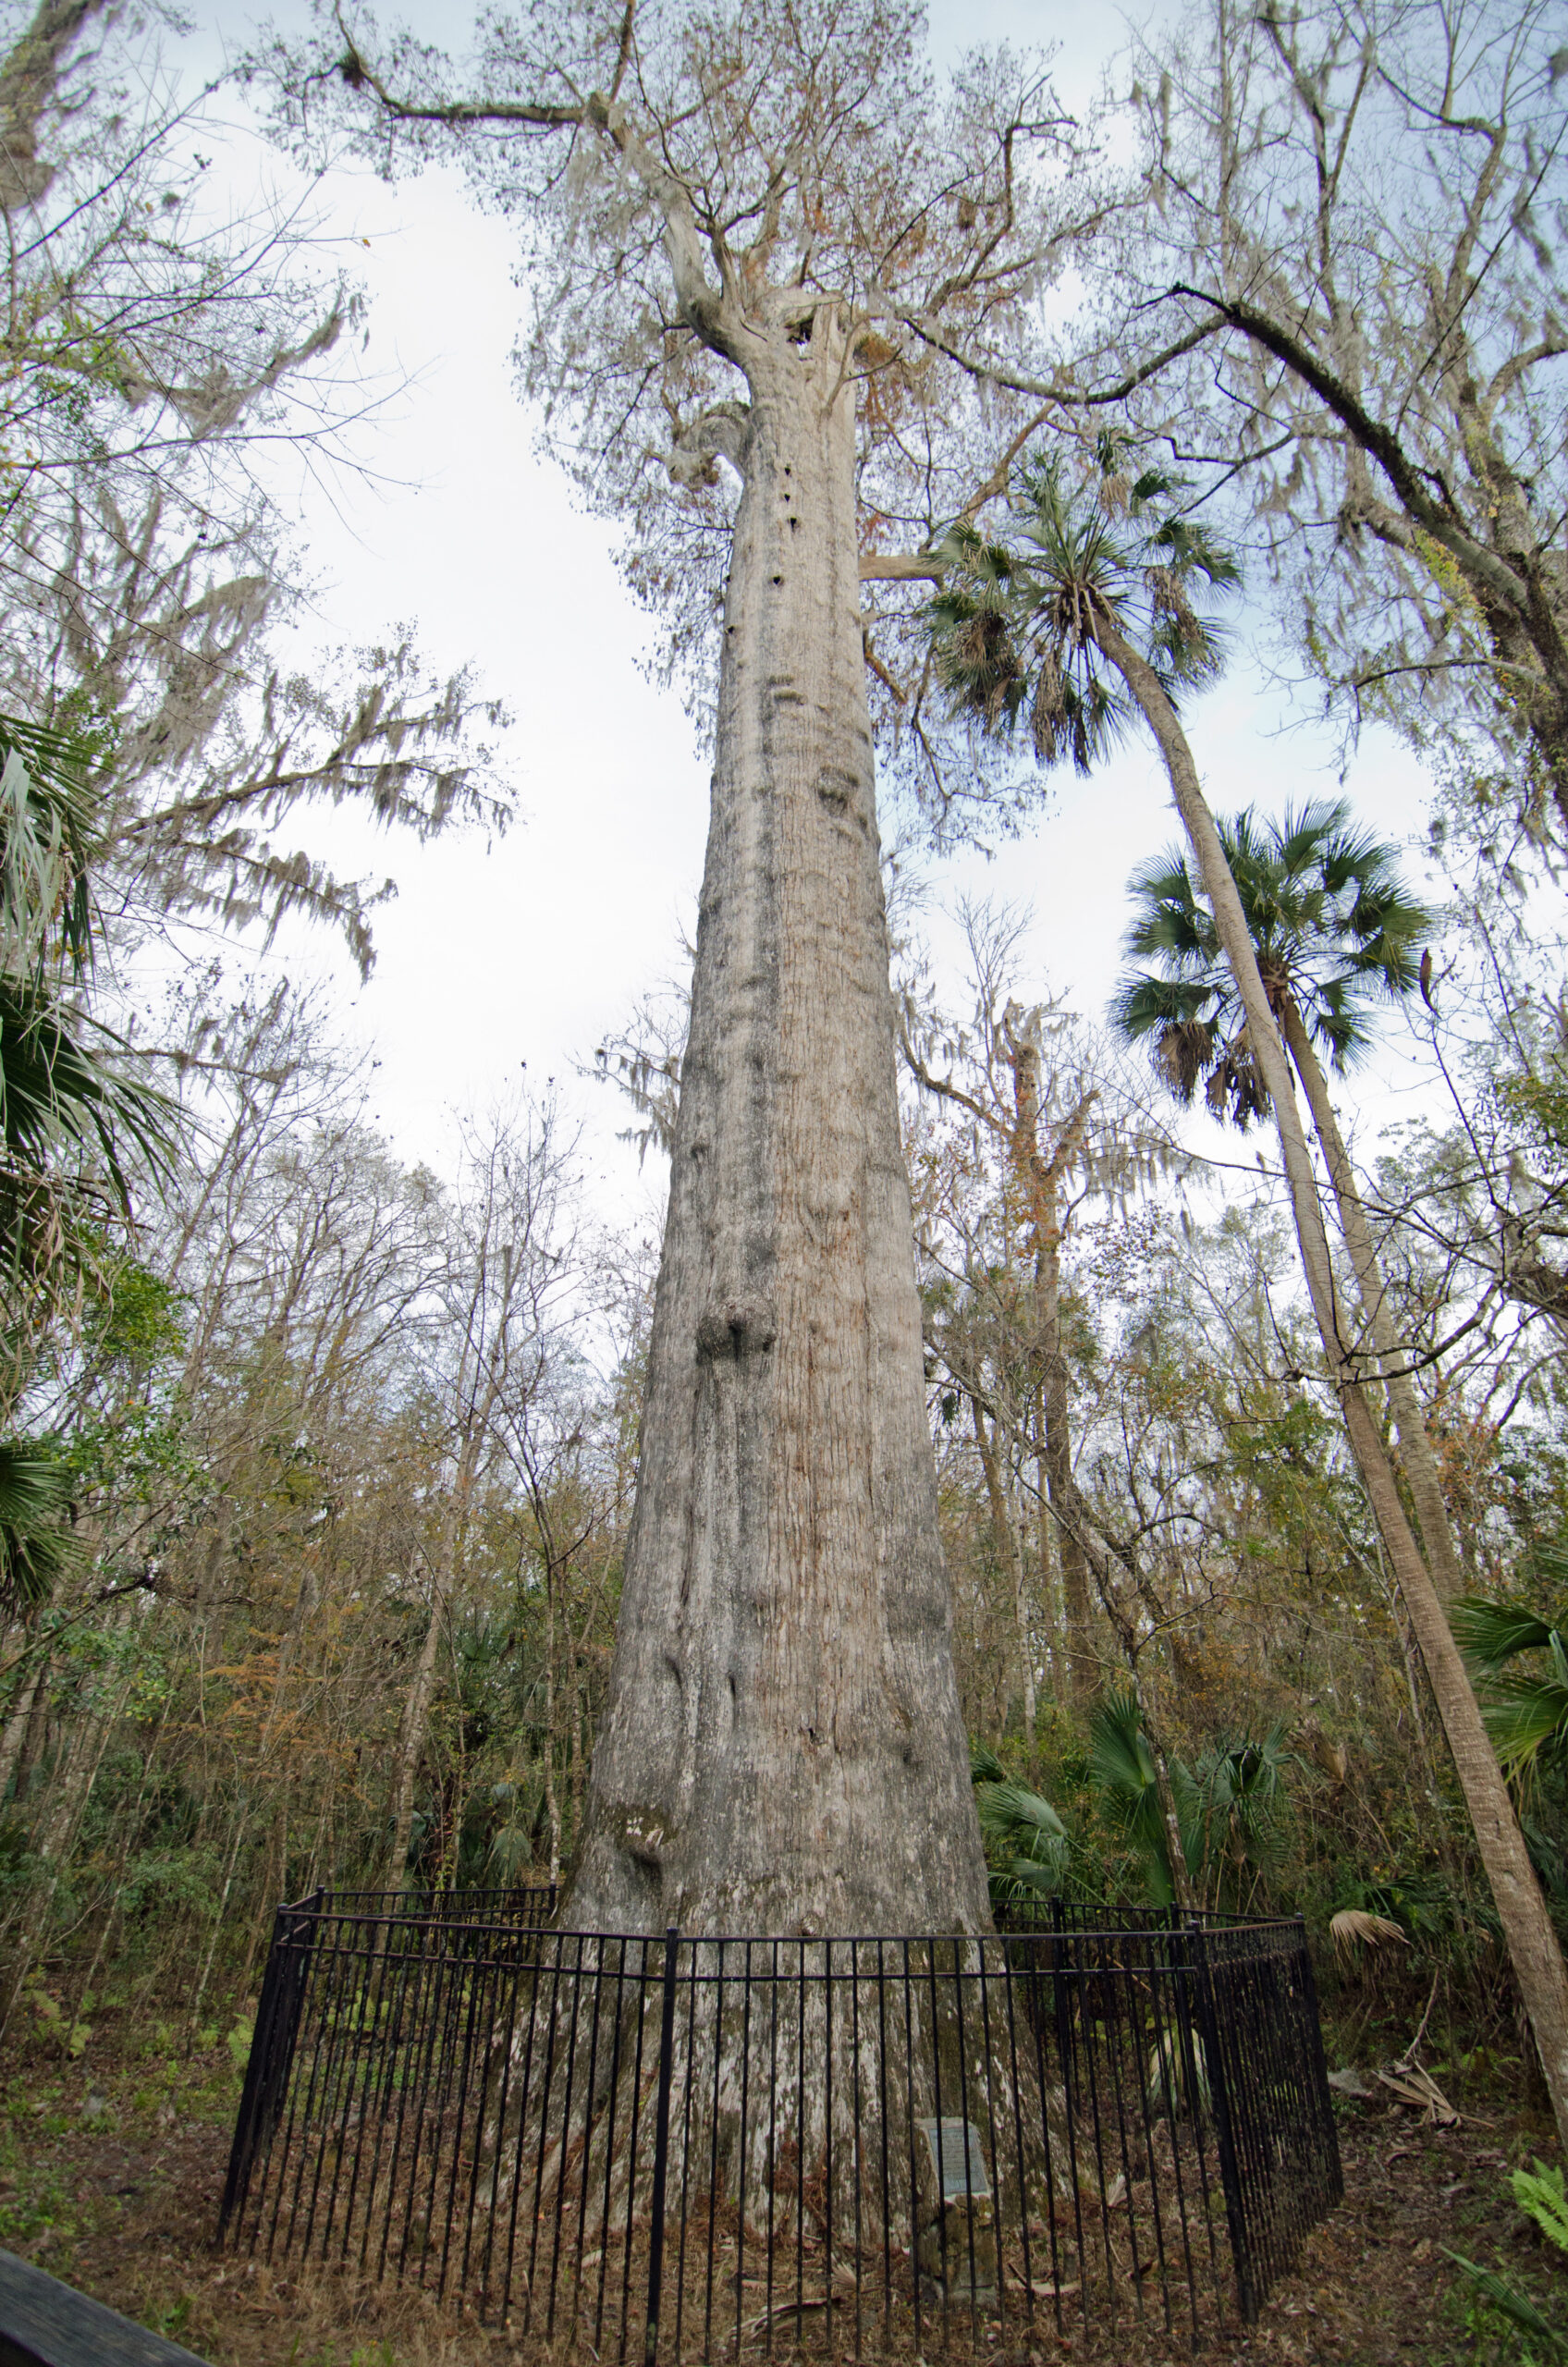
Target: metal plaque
x: 957, y: 2158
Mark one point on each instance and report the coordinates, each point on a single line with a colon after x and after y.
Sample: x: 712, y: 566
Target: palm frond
x: 1121, y: 1769
x: 36, y: 1545
x: 1491, y: 1633
x: 1527, y: 1720
x: 48, y: 836
x: 1513, y: 2305
x: 1026, y: 1822
x: 1026, y: 1840
x: 1334, y: 929
x: 60, y: 1093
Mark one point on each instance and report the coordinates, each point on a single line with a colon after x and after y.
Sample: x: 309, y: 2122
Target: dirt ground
x: 112, y: 2163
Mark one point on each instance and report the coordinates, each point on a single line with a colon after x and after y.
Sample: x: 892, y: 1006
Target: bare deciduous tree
x: 1342, y: 298
x: 157, y: 350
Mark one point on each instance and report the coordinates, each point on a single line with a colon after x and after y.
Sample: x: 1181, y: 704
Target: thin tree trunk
x: 1532, y: 1942
x: 552, y: 1806
x: 62, y: 1818
x: 1008, y: 1541
x: 1053, y: 1589
x: 1180, y: 1881
x: 1414, y: 1446
x: 574, y: 1767
x: 1041, y: 1178
x: 783, y: 1747
x: 241, y: 1818
x: 411, y: 1725
x: 1058, y: 1461
x: 16, y: 1725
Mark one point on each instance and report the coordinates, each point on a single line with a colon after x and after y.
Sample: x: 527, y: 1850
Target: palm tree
x: 1103, y: 620
x: 1527, y: 1707
x: 1336, y: 936
x: 1194, y: 1825
x: 1334, y: 932
x: 67, y: 1115
x: 65, y: 1107
x: 1015, y: 627
x: 1021, y: 1829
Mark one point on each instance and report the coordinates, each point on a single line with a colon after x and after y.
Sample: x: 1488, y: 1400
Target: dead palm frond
x: 1357, y: 1927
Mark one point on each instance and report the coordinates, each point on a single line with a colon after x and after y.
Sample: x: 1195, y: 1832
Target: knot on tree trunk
x: 736, y: 1327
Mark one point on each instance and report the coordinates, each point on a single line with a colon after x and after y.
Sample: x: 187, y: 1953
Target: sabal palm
x: 1014, y: 628
x: 64, y: 1105
x: 66, y: 1115
x: 1527, y: 1707
x: 1086, y: 609
x: 1335, y: 931
x: 1021, y: 1829
x: 1229, y: 1806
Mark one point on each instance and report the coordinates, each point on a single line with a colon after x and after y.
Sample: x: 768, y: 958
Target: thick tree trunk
x: 782, y: 1750
x: 1532, y: 1943
x: 1414, y: 1446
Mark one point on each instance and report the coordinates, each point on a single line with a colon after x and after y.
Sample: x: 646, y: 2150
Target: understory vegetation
x: 350, y: 1453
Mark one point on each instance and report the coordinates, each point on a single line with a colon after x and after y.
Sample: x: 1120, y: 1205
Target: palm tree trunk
x: 1414, y: 1446
x: 1532, y: 1942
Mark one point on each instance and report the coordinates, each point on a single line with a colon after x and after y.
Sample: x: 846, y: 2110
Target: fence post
x: 248, y: 2120
x: 271, y: 2057
x: 1317, y: 2066
x: 661, y: 2149
x: 1224, y: 2132
x: 1060, y: 2006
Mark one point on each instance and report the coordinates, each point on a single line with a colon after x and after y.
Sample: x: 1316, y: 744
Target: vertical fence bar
x: 631, y: 2137
x: 689, y: 2084
x: 661, y: 2149
x: 423, y: 2063
x: 741, y: 2174
x: 1224, y: 2133
x: 261, y: 2080
x: 294, y: 1945
x: 1317, y: 2074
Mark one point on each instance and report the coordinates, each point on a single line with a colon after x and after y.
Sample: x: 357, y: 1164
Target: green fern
x: 1539, y: 2195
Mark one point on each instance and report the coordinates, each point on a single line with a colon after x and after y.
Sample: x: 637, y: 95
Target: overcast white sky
x: 530, y: 950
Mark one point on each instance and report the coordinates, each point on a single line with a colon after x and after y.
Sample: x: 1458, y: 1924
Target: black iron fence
x: 698, y: 2149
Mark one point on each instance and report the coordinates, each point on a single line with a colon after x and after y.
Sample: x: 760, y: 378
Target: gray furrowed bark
x: 783, y: 1750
